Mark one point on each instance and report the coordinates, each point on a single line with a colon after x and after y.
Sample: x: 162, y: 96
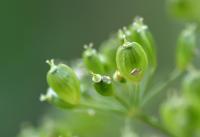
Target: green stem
x: 134, y: 95
x: 175, y: 74
x: 152, y: 122
x: 137, y: 95
x: 130, y: 93
x: 146, y: 82
x: 127, y: 129
x: 121, y: 101
x: 101, y: 108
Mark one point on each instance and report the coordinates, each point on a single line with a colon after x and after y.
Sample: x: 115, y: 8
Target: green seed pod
x: 109, y: 49
x: 180, y: 117
x: 186, y: 48
x: 140, y: 33
x: 52, y: 98
x: 131, y: 61
x: 118, y: 77
x: 191, y: 86
x: 103, y: 85
x: 188, y: 10
x: 92, y: 60
x: 63, y: 80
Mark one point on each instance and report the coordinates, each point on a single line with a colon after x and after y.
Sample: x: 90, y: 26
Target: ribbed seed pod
x: 131, y: 61
x: 63, y: 80
x: 103, y: 85
x: 191, y: 86
x: 92, y: 60
x: 108, y: 49
x: 52, y: 98
x: 186, y: 48
x: 188, y: 10
x: 139, y: 32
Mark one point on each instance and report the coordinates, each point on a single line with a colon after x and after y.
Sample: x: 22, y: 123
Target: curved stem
x: 152, y: 122
x: 175, y: 74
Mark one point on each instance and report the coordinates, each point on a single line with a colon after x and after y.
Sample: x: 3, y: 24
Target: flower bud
x: 63, y: 80
x: 103, y: 85
x: 118, y: 77
x: 139, y: 32
x: 92, y: 60
x: 191, y: 86
x: 188, y: 10
x: 131, y: 61
x: 186, y: 48
x: 52, y: 98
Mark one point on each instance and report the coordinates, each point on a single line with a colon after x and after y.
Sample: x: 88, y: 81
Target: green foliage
x: 114, y: 84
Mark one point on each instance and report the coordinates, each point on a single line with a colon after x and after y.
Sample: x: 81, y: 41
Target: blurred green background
x: 33, y: 31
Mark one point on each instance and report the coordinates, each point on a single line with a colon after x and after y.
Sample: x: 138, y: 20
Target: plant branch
x: 101, y: 108
x: 174, y: 75
x: 152, y: 122
x: 121, y: 101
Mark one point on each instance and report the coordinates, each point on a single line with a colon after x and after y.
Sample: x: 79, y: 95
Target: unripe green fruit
x: 103, y: 85
x: 186, y: 48
x: 191, y: 87
x: 63, y: 80
x: 180, y: 117
x: 139, y: 32
x: 131, y: 61
x: 52, y: 98
x: 92, y: 60
x: 109, y: 49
